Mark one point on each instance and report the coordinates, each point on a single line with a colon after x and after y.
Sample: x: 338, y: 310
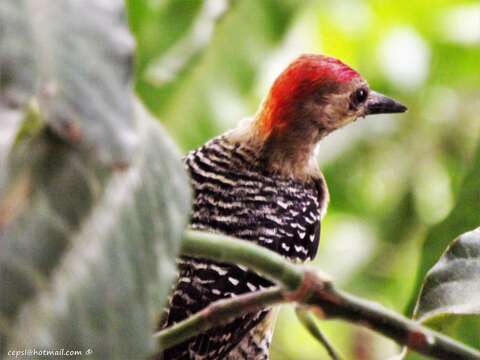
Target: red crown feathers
x: 305, y: 75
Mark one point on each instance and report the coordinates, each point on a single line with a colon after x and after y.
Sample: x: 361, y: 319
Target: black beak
x: 380, y: 104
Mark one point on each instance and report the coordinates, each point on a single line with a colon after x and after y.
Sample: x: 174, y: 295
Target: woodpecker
x: 260, y: 182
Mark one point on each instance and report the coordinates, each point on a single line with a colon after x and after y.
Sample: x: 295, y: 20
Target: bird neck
x: 291, y: 155
x: 288, y: 151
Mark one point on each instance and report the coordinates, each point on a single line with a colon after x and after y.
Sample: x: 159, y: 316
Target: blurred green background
x: 394, y: 180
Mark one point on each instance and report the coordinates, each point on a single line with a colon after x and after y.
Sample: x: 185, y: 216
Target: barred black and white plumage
x: 234, y: 195
x: 261, y: 183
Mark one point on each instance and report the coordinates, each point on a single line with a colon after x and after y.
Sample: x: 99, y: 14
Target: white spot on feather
x: 251, y: 286
x: 233, y: 280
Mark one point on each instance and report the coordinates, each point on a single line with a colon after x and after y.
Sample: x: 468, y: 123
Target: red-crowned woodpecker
x: 260, y: 182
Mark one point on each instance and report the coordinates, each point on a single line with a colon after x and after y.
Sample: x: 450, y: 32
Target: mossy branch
x: 305, y: 286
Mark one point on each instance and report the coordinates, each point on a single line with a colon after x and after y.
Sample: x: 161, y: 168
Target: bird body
x: 260, y: 183
x: 235, y: 195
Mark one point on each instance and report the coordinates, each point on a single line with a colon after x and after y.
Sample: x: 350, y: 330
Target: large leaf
x: 87, y: 249
x: 86, y: 254
x: 452, y: 286
x: 75, y: 56
x: 450, y: 298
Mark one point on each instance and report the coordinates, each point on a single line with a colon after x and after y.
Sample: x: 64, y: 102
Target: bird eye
x: 360, y: 96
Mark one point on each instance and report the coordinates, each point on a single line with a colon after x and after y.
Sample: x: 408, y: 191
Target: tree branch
x: 333, y: 303
x: 228, y: 249
x: 305, y: 286
x: 218, y: 313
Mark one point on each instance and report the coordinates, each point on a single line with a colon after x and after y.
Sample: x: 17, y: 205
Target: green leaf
x: 450, y: 298
x: 452, y: 286
x: 87, y: 253
x: 75, y: 56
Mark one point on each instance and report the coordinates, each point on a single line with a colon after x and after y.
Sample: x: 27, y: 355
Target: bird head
x: 317, y: 92
x: 312, y: 97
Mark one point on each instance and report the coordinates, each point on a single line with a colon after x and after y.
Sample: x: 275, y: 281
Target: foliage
x: 392, y: 179
x: 93, y: 198
x: 88, y: 236
x: 80, y: 95
x: 450, y: 297
x: 460, y: 264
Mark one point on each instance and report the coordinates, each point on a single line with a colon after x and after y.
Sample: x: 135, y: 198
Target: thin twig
x: 307, y: 320
x: 218, y: 313
x: 334, y: 303
x: 309, y: 287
